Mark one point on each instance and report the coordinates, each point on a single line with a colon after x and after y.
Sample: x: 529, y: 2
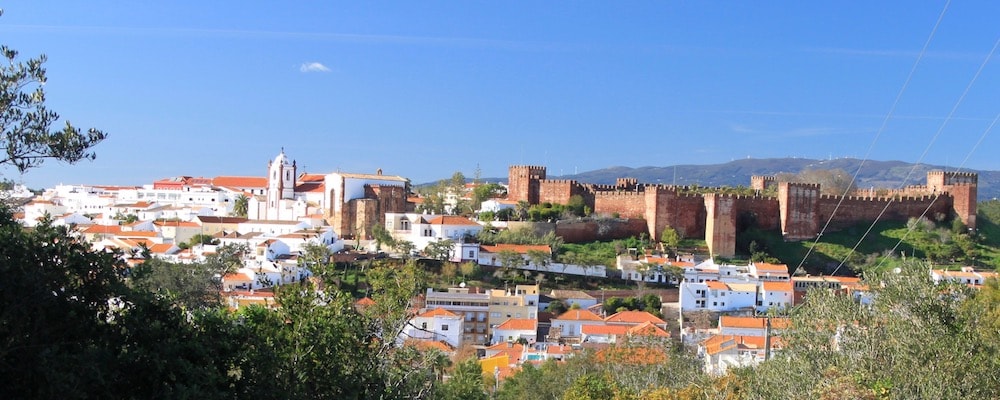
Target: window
x: 444, y: 327
x: 715, y: 303
x: 471, y: 253
x: 495, y: 315
x: 423, y: 325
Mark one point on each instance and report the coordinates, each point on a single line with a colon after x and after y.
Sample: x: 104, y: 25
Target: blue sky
x: 424, y: 89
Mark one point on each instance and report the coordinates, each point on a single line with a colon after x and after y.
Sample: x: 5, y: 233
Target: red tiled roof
x: 438, y: 312
x: 779, y: 268
x: 604, y: 329
x: 579, y: 315
x: 452, y: 220
x: 160, y: 248
x: 633, y: 317
x: 752, y: 322
x: 240, y: 181
x: 716, y: 285
x: 770, y: 286
x: 518, y: 324
x: 105, y: 229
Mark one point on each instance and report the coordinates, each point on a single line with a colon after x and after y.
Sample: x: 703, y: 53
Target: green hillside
x: 943, y: 244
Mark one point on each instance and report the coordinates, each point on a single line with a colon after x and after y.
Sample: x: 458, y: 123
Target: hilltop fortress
x: 798, y: 210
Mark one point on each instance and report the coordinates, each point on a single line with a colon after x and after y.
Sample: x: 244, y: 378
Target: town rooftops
x: 438, y: 312
x: 240, y: 181
x: 633, y: 317
x: 772, y: 286
x: 727, y: 321
x: 518, y: 324
x: 579, y: 315
x: 451, y: 220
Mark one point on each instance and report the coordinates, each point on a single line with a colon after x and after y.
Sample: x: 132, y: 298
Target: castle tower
x: 962, y: 187
x: 522, y: 182
x: 799, y: 210
x: 720, y: 225
x: 280, y: 184
x: 761, y: 183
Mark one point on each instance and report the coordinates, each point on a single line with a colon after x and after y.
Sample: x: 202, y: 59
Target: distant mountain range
x: 878, y: 174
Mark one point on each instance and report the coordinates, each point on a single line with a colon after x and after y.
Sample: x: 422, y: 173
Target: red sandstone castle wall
x: 626, y: 204
x: 589, y: 231
x: 798, y: 203
x: 557, y: 191
x: 764, y: 211
x: 854, y: 210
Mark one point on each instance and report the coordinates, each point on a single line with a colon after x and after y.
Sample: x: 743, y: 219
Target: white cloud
x: 313, y: 67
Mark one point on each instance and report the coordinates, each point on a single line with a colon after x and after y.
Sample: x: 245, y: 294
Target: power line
x: 878, y: 134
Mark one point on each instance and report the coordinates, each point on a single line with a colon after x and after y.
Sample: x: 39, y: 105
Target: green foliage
x: 466, y: 383
x: 519, y: 236
x: 650, y: 303
x: 26, y: 123
x: 915, y: 340
x: 670, y: 238
x: 201, y: 238
x: 241, y: 205
x: 382, y: 236
x: 440, y: 249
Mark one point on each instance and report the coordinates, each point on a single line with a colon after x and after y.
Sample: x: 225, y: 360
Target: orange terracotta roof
x: 752, y: 322
x: 179, y: 224
x: 504, y: 347
x: 579, y: 315
x: 438, y: 312
x: 365, y: 301
x: 765, y: 267
x: 771, y: 286
x: 237, y: 277
x: 720, y: 343
x: 160, y: 248
x: 304, y: 177
x: 240, y: 181
x: 648, y: 329
x: 451, y: 220
x: 517, y: 248
x: 142, y: 234
x: 105, y: 229
x: 716, y: 285
x: 310, y: 187
x: 633, y: 317
x: 604, y: 329
x: 518, y: 324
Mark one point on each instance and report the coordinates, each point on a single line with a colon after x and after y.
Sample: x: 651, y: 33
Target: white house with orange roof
x: 769, y: 272
x: 177, y: 231
x: 721, y: 352
x: 717, y: 296
x: 966, y: 276
x: 490, y: 255
x: 635, y: 318
x: 752, y: 326
x: 775, y: 294
x: 568, y: 327
x: 515, y: 329
x: 650, y: 268
x: 617, y: 332
x: 496, y: 205
x: 423, y: 229
x: 438, y: 325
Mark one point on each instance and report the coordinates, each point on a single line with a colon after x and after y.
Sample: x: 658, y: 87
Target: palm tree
x: 241, y: 205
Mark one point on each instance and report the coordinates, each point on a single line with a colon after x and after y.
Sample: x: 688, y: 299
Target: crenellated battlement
x: 799, y: 209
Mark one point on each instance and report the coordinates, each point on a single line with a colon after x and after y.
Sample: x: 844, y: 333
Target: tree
x: 509, y: 259
x: 405, y: 247
x: 202, y: 239
x: 670, y: 238
x: 440, y: 249
x: 27, y: 139
x: 466, y: 383
x: 191, y: 285
x: 487, y: 191
x: 382, y: 236
x: 241, y: 205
